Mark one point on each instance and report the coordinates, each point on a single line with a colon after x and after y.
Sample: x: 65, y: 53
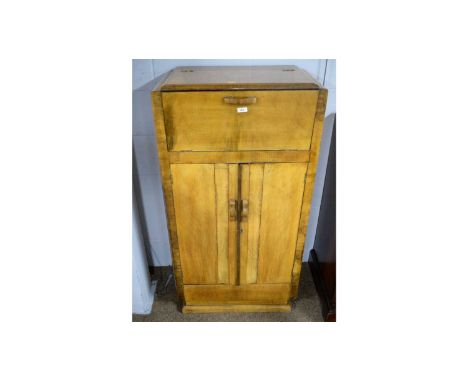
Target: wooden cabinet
x: 238, y: 149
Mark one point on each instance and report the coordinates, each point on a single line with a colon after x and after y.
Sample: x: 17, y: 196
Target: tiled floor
x: 306, y: 308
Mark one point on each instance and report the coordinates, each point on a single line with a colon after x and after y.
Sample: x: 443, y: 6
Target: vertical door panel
x: 243, y: 219
x: 280, y: 208
x: 250, y: 227
x: 222, y: 221
x: 233, y: 185
x: 201, y: 209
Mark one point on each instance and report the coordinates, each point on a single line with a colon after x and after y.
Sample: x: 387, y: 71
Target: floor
x: 306, y: 307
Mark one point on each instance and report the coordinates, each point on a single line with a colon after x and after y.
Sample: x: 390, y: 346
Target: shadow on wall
x: 138, y: 110
x: 149, y: 86
x: 318, y: 186
x: 141, y: 211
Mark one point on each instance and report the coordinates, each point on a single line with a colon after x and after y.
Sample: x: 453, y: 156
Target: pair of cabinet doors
x: 237, y: 226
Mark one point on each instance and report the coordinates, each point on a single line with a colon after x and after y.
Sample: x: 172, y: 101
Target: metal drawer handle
x: 233, y: 209
x: 244, y: 208
x: 240, y: 100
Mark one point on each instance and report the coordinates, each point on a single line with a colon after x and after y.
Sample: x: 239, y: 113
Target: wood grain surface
x: 238, y: 78
x: 195, y: 210
x: 283, y: 185
x: 222, y: 220
x: 201, y: 121
x: 243, y: 294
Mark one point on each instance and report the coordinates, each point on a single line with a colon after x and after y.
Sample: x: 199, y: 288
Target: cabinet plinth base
x: 235, y: 308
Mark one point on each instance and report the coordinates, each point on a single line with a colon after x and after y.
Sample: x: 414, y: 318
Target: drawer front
x: 239, y: 120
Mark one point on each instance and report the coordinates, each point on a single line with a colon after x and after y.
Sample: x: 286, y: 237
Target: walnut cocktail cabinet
x: 238, y: 149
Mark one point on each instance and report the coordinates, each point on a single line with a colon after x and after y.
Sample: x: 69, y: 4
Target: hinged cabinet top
x: 285, y: 77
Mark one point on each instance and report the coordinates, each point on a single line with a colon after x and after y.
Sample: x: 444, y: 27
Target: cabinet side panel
x: 195, y: 209
x: 160, y: 134
x: 283, y: 187
x: 222, y: 221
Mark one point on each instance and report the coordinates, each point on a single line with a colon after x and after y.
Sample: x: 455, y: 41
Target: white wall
x: 146, y: 165
x: 142, y: 290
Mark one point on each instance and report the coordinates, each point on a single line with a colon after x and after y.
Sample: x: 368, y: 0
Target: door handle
x: 233, y: 209
x: 244, y: 208
x: 240, y: 100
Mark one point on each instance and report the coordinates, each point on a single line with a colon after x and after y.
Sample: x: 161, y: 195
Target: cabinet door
x: 271, y: 204
x: 206, y: 235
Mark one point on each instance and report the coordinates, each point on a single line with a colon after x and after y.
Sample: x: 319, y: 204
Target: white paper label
x: 242, y: 109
